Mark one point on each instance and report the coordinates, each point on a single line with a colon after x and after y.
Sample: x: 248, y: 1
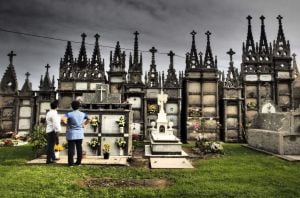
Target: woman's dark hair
x: 54, y: 104
x: 75, y: 105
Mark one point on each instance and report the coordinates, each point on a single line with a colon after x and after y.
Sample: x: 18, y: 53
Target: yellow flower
x: 58, y: 147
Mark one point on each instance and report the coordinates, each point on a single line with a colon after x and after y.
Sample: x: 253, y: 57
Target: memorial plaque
x: 173, y: 118
x: 152, y: 93
x: 114, y: 150
x: 109, y: 124
x: 135, y: 128
x: 134, y: 89
x: 194, y: 87
x: 93, y: 86
x: 81, y: 86
x: 209, y: 87
x: 209, y: 99
x: 116, y: 79
x: 66, y: 86
x: 24, y: 124
x: 26, y: 102
x: 209, y: 111
x: 232, y: 123
x: 171, y: 108
x: 251, y: 77
x: 7, y: 113
x: 136, y: 115
x: 284, y: 75
x: 44, y: 106
x: 194, y: 100
x: 25, y: 111
x: 265, y: 77
x: 135, y: 101
x: 232, y: 110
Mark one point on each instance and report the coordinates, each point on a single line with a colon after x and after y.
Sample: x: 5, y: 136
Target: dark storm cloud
x: 165, y: 24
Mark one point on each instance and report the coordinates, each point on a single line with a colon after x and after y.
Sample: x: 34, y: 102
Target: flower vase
x: 95, y: 128
x: 56, y: 154
x: 121, y: 151
x: 106, y: 155
x: 121, y: 129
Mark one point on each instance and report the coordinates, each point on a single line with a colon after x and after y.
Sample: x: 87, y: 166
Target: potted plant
x: 94, y: 123
x: 121, y: 122
x: 106, y: 149
x: 251, y: 105
x: 94, y: 144
x: 57, y: 149
x: 121, y: 144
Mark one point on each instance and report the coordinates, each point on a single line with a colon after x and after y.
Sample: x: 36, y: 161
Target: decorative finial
x: 262, y: 18
x: 153, y: 51
x: 83, y: 35
x: 171, y: 54
x: 27, y: 75
x: 47, y: 67
x: 208, y: 35
x: 279, y: 17
x: 97, y: 36
x: 294, y: 55
x: 249, y: 19
x: 230, y: 53
x: 136, y: 33
x: 11, y: 56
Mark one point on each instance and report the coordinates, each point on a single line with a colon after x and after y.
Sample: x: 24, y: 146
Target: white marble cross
x: 100, y: 88
x: 161, y: 99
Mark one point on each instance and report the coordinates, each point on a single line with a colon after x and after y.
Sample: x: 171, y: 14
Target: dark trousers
x: 51, y: 139
x: 71, y: 151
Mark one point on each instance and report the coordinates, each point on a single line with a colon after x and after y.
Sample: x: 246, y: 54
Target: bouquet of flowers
x: 94, y: 144
x: 106, y: 148
x: 94, y: 121
x: 121, y: 143
x: 121, y: 122
x: 58, y: 147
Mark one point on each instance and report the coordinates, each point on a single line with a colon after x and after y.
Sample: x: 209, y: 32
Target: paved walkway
x: 89, y: 160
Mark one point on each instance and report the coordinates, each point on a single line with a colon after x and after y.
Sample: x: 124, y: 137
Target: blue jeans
x: 71, y: 151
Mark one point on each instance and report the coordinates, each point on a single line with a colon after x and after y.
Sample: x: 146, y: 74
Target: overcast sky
x: 165, y: 24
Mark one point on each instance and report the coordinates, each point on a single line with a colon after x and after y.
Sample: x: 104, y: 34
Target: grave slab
x: 170, y: 163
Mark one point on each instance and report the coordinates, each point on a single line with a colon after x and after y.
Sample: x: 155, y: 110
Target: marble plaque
x: 93, y: 86
x: 135, y: 101
x: 135, y: 90
x: 44, y: 106
x: 194, y: 87
x: 232, y: 123
x: 283, y: 88
x: 25, y: 111
x: 209, y: 75
x: 7, y: 125
x: 116, y: 79
x: 268, y: 108
x: 7, y: 113
x: 81, y: 86
x: 232, y: 110
x: 135, y: 128
x: 114, y: 150
x: 152, y: 93
x: 172, y: 118
x: 209, y: 111
x: 24, y: 124
x: 171, y: 108
x: 284, y: 75
x: 251, y: 77
x: 26, y: 102
x: 194, y: 99
x: 265, y: 77
x: 284, y: 100
x: 209, y: 87
x: 136, y: 115
x: 209, y: 99
x: 66, y: 86
x: 109, y: 124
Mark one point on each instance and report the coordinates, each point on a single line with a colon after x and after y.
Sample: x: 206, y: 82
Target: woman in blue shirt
x: 75, y: 121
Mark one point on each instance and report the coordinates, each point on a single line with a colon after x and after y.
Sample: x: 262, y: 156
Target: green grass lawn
x: 240, y: 173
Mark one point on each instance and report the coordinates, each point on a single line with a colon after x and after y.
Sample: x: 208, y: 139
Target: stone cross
x: 208, y: 34
x: 100, y: 89
x: 27, y: 75
x: 230, y: 53
x: 279, y: 19
x: 153, y: 51
x: 11, y: 56
x: 47, y: 67
x: 161, y: 99
x: 249, y: 19
x: 171, y: 54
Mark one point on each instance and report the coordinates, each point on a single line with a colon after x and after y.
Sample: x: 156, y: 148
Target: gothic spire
x: 263, y: 43
x: 46, y: 84
x: 9, y: 83
x: 250, y: 48
x: 208, y: 58
x: 153, y: 51
x: 27, y: 86
x: 68, y: 58
x: 193, y: 57
x: 232, y: 75
x: 82, y: 58
x: 295, y: 66
x: 96, y: 58
x: 171, y: 79
x: 280, y: 36
x: 136, y: 48
x: 153, y: 78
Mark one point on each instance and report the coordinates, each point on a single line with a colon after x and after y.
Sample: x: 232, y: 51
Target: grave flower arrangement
x: 94, y: 144
x: 106, y: 148
x: 95, y: 122
x: 58, y: 147
x: 121, y: 143
x: 121, y: 122
x: 251, y: 105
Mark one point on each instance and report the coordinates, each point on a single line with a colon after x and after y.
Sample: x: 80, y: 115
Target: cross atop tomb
x: 171, y: 54
x: 249, y: 19
x: 262, y: 18
x: 279, y: 18
x: 230, y: 53
x: 47, y: 68
x: 161, y: 99
x: 11, y: 56
x: 27, y: 75
x: 153, y: 51
x: 208, y: 33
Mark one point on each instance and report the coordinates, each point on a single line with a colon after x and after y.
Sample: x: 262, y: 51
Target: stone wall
x: 291, y: 144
